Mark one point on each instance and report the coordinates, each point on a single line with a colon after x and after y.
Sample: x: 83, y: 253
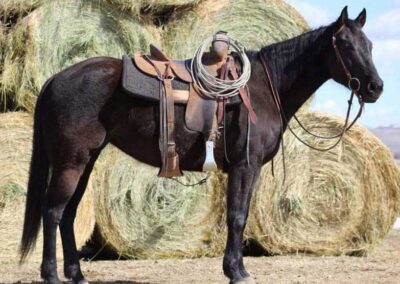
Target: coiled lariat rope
x: 214, y: 87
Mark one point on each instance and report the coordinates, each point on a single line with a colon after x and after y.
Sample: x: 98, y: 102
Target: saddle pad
x: 143, y: 86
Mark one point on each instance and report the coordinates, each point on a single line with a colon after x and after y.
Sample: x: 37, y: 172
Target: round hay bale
x: 16, y: 145
x: 343, y: 201
x: 151, y: 9
x: 254, y: 24
x: 60, y: 33
x: 142, y: 216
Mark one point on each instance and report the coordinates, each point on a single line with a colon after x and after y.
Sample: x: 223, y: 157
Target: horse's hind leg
x: 62, y: 186
x: 72, y: 269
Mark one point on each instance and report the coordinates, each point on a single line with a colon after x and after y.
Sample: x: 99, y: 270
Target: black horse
x: 83, y: 108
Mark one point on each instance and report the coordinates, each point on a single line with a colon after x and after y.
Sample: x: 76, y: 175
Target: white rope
x: 214, y: 87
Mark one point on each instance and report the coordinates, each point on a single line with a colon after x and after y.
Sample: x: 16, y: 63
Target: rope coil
x: 211, y: 86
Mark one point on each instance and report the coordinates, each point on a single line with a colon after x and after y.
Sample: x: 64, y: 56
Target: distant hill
x: 391, y: 137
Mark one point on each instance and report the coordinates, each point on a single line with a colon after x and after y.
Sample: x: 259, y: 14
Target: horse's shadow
x: 96, y: 282
x: 118, y: 282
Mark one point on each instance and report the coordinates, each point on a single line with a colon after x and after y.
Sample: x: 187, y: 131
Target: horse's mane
x: 294, y: 52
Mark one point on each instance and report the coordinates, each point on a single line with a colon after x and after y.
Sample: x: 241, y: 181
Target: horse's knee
x: 236, y: 221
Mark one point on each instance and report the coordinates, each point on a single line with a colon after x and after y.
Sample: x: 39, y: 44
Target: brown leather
x: 221, y: 101
x: 157, y: 53
x: 200, y: 112
x: 180, y: 96
x: 170, y: 167
x: 243, y: 92
x: 178, y: 67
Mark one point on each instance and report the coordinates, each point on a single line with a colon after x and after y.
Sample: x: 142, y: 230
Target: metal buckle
x: 352, y: 81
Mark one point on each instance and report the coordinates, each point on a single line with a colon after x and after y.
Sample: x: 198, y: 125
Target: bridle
x: 353, y: 84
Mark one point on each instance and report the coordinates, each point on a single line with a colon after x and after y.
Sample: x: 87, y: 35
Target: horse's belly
x: 139, y: 138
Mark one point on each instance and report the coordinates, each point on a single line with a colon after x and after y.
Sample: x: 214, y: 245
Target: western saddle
x: 203, y: 114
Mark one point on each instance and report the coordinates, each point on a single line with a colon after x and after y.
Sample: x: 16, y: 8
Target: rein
x: 353, y: 84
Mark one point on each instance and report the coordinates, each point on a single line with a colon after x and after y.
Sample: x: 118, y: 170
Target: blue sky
x: 383, y: 29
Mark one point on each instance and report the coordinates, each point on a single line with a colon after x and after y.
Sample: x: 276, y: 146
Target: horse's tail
x: 37, y: 184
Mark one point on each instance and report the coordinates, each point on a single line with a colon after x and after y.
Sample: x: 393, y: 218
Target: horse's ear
x: 343, y: 18
x: 362, y: 18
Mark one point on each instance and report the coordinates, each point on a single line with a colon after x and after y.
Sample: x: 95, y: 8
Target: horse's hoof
x: 52, y: 281
x: 246, y: 280
x: 83, y: 281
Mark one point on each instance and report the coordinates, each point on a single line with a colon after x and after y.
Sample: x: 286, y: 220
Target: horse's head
x: 354, y: 49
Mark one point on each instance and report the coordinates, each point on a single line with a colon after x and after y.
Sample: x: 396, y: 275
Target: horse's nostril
x: 372, y: 87
x: 375, y: 87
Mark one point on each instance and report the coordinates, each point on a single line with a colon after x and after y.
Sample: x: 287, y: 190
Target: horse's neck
x: 298, y: 67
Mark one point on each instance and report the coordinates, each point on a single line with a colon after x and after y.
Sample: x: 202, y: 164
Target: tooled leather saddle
x: 157, y: 78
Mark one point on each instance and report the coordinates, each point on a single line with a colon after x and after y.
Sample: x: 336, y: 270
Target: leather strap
x: 172, y: 163
x: 221, y: 100
x: 169, y: 157
x: 243, y: 92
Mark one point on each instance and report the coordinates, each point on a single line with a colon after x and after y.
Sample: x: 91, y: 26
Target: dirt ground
x: 382, y: 266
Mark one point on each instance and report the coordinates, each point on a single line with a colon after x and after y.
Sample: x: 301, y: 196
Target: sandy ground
x: 382, y: 266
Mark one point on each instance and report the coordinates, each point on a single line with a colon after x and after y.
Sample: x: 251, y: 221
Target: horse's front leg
x: 241, y: 180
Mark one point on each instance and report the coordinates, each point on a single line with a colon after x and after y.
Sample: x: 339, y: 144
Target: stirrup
x: 209, y: 164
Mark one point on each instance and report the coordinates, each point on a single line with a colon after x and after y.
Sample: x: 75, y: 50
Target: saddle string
x: 200, y: 182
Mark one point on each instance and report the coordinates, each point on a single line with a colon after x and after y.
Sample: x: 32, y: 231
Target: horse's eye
x: 347, y: 44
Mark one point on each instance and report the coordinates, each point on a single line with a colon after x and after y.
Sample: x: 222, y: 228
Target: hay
x: 142, y: 216
x: 12, y: 10
x: 59, y: 34
x: 254, y: 24
x: 343, y: 201
x: 15, y: 145
x: 151, y: 9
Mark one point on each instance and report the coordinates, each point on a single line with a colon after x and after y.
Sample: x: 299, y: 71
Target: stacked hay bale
x: 152, y: 8
x: 16, y: 145
x: 343, y: 201
x: 253, y: 25
x: 59, y: 34
x: 142, y: 216
x: 12, y: 10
